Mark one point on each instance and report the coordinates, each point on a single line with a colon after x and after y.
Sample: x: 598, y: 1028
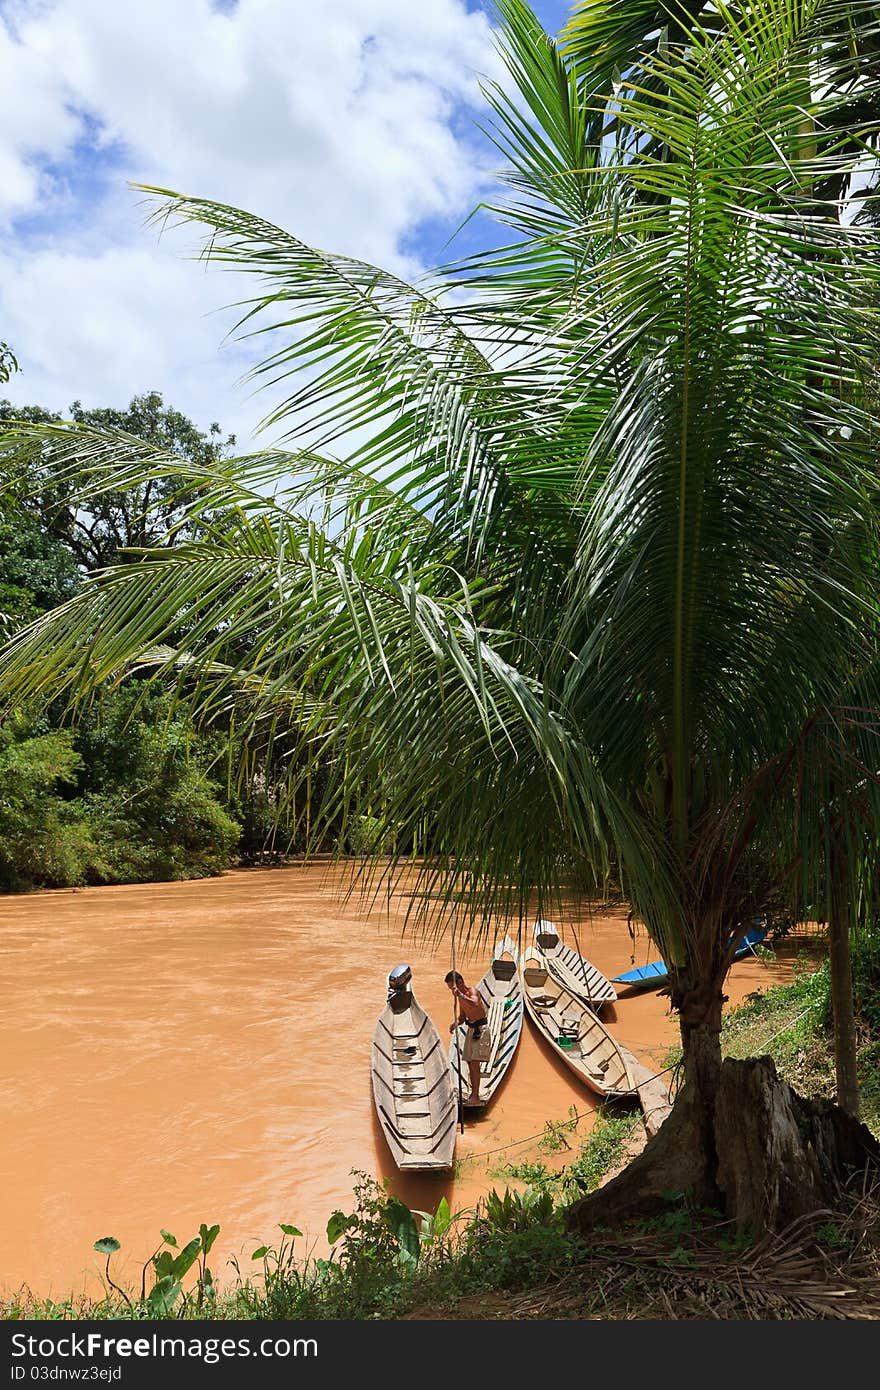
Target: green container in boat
x: 564, y: 1042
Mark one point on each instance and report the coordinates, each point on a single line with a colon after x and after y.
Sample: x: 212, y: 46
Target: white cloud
x: 340, y: 120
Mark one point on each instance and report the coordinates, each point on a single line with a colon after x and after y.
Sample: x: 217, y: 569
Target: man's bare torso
x: 470, y: 1005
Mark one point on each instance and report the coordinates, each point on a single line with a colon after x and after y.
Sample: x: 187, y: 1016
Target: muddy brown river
x: 185, y: 1052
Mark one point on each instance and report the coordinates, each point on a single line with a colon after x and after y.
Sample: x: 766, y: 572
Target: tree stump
x: 777, y: 1156
x: 781, y: 1156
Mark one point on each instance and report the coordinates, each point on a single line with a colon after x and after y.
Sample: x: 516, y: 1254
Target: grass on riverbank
x: 793, y: 1024
x: 513, y: 1259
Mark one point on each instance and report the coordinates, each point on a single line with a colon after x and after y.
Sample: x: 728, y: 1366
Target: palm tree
x: 578, y: 562
x: 608, y: 35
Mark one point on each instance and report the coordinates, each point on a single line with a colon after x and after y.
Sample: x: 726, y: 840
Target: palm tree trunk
x: 699, y: 1011
x: 840, y: 958
x: 682, y: 1157
x: 738, y: 1138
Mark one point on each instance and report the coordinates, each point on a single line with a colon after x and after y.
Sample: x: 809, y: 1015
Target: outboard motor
x: 398, y: 986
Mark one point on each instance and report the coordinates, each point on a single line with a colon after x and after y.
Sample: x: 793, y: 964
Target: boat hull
x: 656, y: 973
x: 572, y: 970
x: 571, y: 1028
x: 501, y: 992
x: 412, y: 1087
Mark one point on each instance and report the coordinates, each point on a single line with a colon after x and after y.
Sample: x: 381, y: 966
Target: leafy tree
x: 601, y: 583
x: 146, y: 792
x: 100, y: 530
x: 129, y: 804
x: 120, y: 799
x: 8, y: 361
x: 36, y: 572
x: 44, y: 839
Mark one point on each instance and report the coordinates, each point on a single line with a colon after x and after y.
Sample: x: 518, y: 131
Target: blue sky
x: 357, y: 135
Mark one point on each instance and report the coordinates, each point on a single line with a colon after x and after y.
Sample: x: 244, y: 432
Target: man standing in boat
x: 478, y: 1043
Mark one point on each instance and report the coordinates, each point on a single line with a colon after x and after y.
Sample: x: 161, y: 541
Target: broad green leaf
x: 187, y: 1257
x: 208, y: 1235
x: 442, y: 1217
x: 163, y: 1295
x: 337, y: 1225
x: 402, y: 1223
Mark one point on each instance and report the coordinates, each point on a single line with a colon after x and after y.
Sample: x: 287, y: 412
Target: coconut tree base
x: 777, y: 1156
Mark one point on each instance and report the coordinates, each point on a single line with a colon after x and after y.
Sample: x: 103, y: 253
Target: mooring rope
x: 578, y: 1115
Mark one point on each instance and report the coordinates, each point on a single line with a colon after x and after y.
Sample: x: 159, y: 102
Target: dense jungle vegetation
x: 131, y: 791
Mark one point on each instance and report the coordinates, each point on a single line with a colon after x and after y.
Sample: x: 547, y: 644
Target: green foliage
x: 99, y: 528
x: 286, y: 1286
x: 140, y: 806
x: 8, y: 362
x: 794, y: 1023
x: 515, y: 1237
x: 169, y: 1270
x: 866, y: 983
x: 122, y: 798
x: 682, y: 1218
x: 833, y: 1237
x: 377, y: 1244
x: 36, y: 571
x: 601, y: 1150
x: 370, y: 835
x: 535, y: 1174
x: 175, y: 829
x: 45, y: 839
x: 434, y: 1227
x: 553, y: 1139
x: 384, y: 1251
x: 156, y: 814
x: 516, y: 1211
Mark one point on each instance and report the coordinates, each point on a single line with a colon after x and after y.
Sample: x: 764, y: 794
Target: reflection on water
x: 187, y: 1052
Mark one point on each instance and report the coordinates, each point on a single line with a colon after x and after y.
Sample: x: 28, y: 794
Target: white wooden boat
x: 501, y: 991
x: 573, y: 1030
x: 413, y: 1092
x: 578, y: 974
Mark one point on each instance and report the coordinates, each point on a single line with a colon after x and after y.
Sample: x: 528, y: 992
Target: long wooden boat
x: 501, y: 991
x: 656, y: 972
x: 573, y: 1030
x: 413, y: 1092
x: 571, y: 969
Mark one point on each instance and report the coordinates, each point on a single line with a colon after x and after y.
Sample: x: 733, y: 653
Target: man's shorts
x: 474, y: 1051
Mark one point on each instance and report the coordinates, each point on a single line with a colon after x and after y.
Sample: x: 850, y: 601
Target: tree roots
x: 777, y: 1157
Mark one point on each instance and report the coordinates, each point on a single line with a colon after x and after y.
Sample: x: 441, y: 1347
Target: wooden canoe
x: 573, y: 1030
x: 501, y: 992
x: 572, y: 970
x: 412, y: 1084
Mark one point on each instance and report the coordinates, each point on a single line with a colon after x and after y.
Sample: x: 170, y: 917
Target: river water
x: 185, y: 1052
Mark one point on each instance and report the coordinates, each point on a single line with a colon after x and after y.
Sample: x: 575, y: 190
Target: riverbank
x: 197, y: 1052
x: 513, y: 1257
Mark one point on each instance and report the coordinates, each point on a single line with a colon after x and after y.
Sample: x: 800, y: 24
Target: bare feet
x: 472, y: 1100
